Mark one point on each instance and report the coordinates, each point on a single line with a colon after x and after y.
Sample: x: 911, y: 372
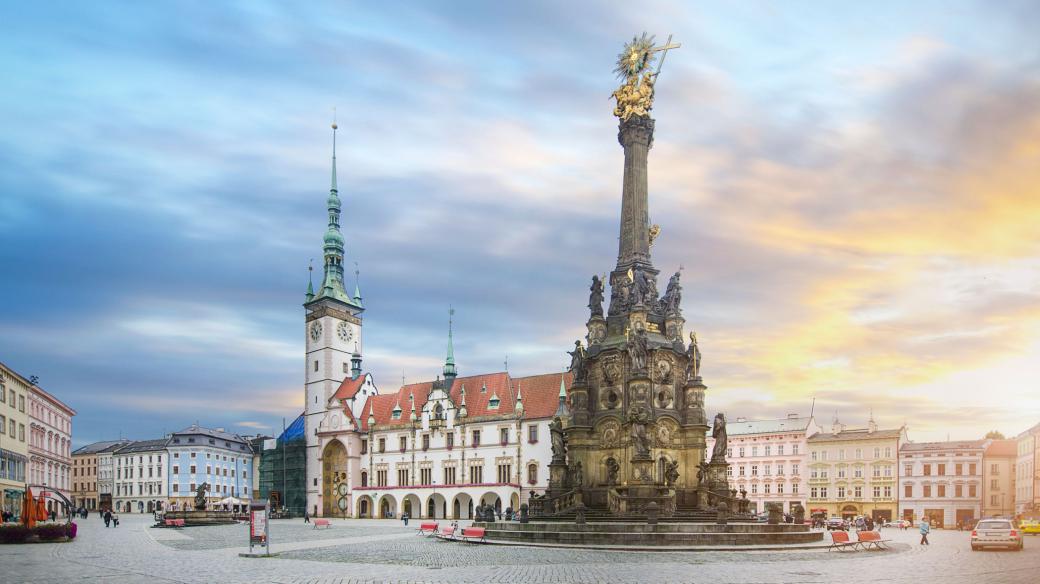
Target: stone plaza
x: 355, y: 550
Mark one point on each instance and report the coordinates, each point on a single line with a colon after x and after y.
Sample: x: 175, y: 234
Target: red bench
x: 872, y: 539
x: 174, y: 523
x: 840, y: 541
x: 472, y: 534
x: 447, y: 533
x: 427, y: 529
x: 322, y: 523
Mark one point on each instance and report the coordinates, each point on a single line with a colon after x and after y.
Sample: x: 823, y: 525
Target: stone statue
x: 642, y: 287
x: 637, y: 350
x: 799, y: 513
x: 578, y: 362
x: 200, y: 496
x: 718, y: 432
x: 577, y: 475
x: 693, y: 355
x: 639, y: 418
x: 671, y: 474
x: 673, y: 295
x: 596, y: 296
x: 559, y: 442
x: 612, y: 471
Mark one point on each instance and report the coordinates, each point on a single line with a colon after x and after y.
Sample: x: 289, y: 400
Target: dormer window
x: 396, y: 413
x: 493, y: 403
x: 483, y: 388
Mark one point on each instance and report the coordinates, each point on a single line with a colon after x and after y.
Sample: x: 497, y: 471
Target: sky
x: 852, y: 191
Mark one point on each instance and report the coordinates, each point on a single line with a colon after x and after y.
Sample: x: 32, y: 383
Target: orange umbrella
x: 28, y: 509
x: 41, y: 509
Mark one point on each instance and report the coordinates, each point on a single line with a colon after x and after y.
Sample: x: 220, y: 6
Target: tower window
x: 315, y: 364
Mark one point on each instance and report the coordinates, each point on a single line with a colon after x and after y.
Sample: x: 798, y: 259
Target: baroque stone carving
x: 672, y: 296
x: 579, y: 400
x: 665, y: 397
x: 609, y: 398
x: 559, y: 442
x: 671, y: 473
x: 718, y: 432
x: 664, y: 435
x: 637, y: 351
x: 612, y: 471
x: 639, y: 391
x: 663, y: 368
x: 609, y: 434
x: 639, y: 418
x: 578, y: 362
x: 596, y: 296
x: 611, y: 370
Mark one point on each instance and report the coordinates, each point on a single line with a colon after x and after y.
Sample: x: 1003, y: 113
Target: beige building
x: 14, y: 447
x: 941, y: 481
x: 854, y: 471
x: 1027, y: 473
x: 85, y: 491
x: 998, y: 484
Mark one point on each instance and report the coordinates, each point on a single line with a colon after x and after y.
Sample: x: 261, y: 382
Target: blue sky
x: 851, y: 189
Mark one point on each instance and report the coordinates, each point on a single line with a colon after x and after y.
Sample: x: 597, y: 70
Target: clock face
x: 315, y: 331
x: 343, y: 489
x: 345, y: 332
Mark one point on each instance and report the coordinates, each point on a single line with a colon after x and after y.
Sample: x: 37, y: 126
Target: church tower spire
x: 332, y: 284
x: 449, y: 361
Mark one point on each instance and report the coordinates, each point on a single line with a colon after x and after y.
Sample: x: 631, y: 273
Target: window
x: 503, y: 436
x: 971, y: 491
x: 888, y: 491
x: 823, y: 492
x: 191, y: 487
x: 493, y: 403
x: 380, y: 478
x: 794, y: 468
x: 765, y: 489
x: 742, y: 452
x: 426, y: 445
x: 449, y: 475
x: 193, y: 455
x: 877, y: 453
x: 876, y: 471
x: 941, y: 490
x: 754, y: 488
x: 766, y: 469
x: 505, y: 473
x: 754, y: 451
x: 532, y: 473
x: 942, y: 470
x: 823, y: 455
x: 754, y: 470
x: 841, y: 472
x: 476, y: 474
x: 364, y: 479
x: 908, y: 470
x: 877, y: 492
x: 813, y: 455
x: 841, y: 492
x: 780, y: 469
x: 814, y: 493
x: 888, y: 452
x: 741, y: 471
x: 3, y: 424
x: 994, y: 484
x: 841, y: 454
x: 780, y: 450
x: 768, y: 450
x: 957, y: 490
x: 364, y: 447
x: 857, y: 473
x: 315, y: 364
x: 21, y: 403
x: 994, y: 469
x: 971, y: 468
x: 859, y: 453
x: 779, y: 488
x: 927, y: 470
x: 403, y: 443
x: 532, y: 433
x: 193, y: 469
x: 794, y: 488
x: 476, y: 439
x: 927, y: 491
x: 382, y: 446
x: 958, y: 469
x: 451, y: 440
x: 794, y: 450
x: 425, y: 476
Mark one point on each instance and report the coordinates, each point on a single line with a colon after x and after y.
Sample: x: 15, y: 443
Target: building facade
x: 998, y: 478
x: 942, y: 481
x: 85, y: 487
x: 106, y: 475
x: 199, y: 455
x: 140, y: 479
x: 1027, y: 473
x: 438, y: 449
x: 14, y: 444
x: 283, y: 469
x: 50, y: 444
x: 854, y: 471
x: 767, y: 459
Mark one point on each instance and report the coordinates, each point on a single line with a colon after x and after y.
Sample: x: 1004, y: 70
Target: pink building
x: 50, y: 443
x: 767, y: 459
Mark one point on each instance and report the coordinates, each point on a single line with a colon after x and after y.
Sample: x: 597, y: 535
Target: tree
x: 995, y: 434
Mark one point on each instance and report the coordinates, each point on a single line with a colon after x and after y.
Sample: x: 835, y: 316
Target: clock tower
x: 333, y: 338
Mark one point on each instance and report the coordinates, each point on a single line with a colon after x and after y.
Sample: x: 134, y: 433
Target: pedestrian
x: 925, y: 528
x: 306, y: 516
x: 405, y: 517
x: 108, y: 518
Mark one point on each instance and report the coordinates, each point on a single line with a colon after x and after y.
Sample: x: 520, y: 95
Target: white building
x: 768, y: 459
x: 438, y: 449
x: 106, y: 475
x: 140, y: 478
x: 1027, y: 473
x: 942, y: 481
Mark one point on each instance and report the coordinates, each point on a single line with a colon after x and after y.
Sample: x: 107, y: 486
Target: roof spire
x: 310, y: 281
x: 332, y: 283
x: 357, y: 285
x: 449, y: 362
x: 561, y: 410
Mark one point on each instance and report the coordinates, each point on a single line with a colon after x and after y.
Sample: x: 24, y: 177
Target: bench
x: 447, y: 533
x: 322, y: 523
x: 872, y: 539
x: 840, y: 541
x: 472, y: 534
x: 174, y: 523
x: 427, y: 529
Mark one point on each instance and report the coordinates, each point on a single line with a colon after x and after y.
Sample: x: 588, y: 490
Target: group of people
x: 111, y: 518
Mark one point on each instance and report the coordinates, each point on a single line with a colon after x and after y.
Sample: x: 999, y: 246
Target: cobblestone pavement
x: 385, y: 551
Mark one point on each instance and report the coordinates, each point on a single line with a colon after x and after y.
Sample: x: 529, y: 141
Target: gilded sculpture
x: 635, y: 97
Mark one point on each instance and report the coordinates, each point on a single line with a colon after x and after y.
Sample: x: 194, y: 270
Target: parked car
x: 835, y: 523
x: 996, y: 533
x: 898, y: 524
x: 1030, y: 526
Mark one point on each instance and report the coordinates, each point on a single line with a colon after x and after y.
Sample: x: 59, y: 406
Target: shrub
x: 14, y: 534
x: 51, y: 531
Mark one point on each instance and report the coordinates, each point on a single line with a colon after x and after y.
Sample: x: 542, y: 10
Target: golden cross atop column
x: 636, y: 94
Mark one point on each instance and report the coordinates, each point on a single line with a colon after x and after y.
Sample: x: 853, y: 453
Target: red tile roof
x: 1003, y: 448
x: 350, y: 387
x: 539, y: 393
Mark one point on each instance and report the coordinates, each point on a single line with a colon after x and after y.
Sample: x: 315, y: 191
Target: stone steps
x: 642, y: 535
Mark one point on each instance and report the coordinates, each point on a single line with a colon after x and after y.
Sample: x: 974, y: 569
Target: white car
x: 996, y: 533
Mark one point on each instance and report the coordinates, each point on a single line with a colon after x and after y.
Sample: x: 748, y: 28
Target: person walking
x: 306, y: 516
x: 405, y: 517
x: 108, y: 517
x: 925, y: 528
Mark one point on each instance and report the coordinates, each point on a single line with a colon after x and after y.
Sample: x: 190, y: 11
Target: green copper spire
x: 357, y: 285
x: 449, y: 362
x: 332, y: 284
x: 310, y: 281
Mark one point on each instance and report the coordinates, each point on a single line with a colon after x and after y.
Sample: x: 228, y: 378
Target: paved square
x: 386, y: 551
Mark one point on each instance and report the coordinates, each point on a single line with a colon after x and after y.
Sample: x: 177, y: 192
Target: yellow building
x: 14, y: 447
x: 854, y: 471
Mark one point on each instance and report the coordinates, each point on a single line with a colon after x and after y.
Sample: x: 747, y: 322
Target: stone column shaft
x: 636, y: 136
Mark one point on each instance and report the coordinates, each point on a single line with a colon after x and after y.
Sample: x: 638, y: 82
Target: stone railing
x: 621, y: 502
x: 547, y: 506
